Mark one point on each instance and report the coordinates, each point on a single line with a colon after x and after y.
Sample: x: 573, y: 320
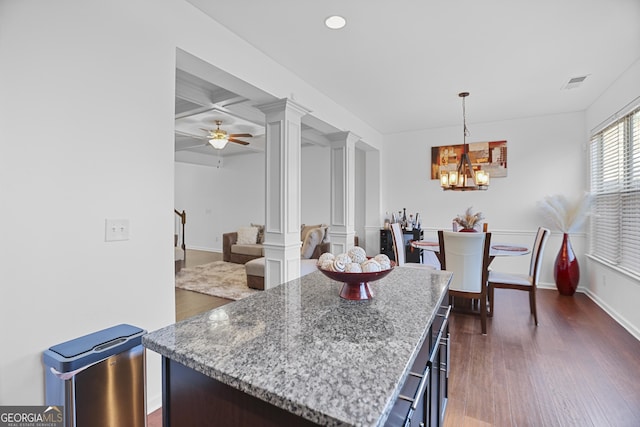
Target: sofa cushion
x: 254, y: 249
x: 314, y: 238
x: 260, y: 227
x: 255, y: 267
x: 247, y: 235
x: 305, y: 229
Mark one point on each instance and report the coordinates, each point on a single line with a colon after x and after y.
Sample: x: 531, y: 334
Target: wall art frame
x: 490, y: 156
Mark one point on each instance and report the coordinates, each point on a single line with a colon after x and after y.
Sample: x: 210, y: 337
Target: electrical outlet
x: 116, y: 229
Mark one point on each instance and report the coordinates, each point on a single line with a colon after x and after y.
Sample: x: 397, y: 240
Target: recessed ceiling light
x: 335, y: 22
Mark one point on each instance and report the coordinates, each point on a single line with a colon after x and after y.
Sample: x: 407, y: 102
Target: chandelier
x: 464, y: 178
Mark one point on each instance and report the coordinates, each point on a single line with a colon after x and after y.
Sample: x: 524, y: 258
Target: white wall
x: 198, y: 191
x: 314, y: 186
x: 86, y: 127
x: 86, y: 124
x: 544, y: 154
x: 616, y: 292
x: 219, y: 200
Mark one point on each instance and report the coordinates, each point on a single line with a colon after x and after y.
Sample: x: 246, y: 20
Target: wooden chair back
x: 536, y: 254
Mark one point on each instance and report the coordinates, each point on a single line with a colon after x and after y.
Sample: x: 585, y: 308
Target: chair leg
x: 532, y: 305
x: 491, y: 289
x: 483, y: 314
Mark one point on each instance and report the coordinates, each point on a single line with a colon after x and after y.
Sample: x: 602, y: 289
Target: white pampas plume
x: 562, y: 214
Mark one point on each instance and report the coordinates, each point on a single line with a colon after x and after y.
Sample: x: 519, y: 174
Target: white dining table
x: 496, y: 249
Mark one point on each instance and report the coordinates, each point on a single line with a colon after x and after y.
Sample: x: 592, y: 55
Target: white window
x: 615, y: 185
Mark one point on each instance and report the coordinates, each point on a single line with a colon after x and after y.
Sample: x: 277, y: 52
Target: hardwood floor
x: 190, y: 303
x: 578, y: 367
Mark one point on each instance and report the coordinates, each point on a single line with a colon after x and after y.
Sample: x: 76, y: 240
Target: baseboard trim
x: 621, y: 320
x: 614, y: 314
x: 154, y: 403
x: 204, y: 248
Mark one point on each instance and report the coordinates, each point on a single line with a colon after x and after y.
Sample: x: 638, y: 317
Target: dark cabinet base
x: 190, y: 398
x: 423, y: 397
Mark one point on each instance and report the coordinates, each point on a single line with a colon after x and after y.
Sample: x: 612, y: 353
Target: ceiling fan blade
x: 237, y: 141
x: 241, y: 135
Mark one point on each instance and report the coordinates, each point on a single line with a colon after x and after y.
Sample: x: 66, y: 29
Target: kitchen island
x: 298, y: 354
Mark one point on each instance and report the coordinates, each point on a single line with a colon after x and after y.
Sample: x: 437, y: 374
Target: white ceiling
x: 400, y: 65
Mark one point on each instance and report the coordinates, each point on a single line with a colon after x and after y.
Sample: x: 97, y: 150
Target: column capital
x: 343, y: 138
x: 281, y: 105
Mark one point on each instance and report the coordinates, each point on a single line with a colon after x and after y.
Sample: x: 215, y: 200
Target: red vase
x: 566, y: 270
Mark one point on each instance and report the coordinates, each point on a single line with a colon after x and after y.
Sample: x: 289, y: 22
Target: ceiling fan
x: 218, y: 138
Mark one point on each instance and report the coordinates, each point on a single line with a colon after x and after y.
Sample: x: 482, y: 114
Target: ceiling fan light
x: 218, y: 143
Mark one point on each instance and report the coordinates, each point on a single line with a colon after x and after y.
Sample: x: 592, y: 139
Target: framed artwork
x: 489, y: 156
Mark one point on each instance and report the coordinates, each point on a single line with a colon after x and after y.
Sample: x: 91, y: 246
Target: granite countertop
x: 301, y: 347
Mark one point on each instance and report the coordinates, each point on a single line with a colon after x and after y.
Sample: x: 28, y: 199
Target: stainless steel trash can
x: 99, y: 378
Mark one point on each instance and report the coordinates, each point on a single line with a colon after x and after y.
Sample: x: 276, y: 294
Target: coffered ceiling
x: 200, y: 103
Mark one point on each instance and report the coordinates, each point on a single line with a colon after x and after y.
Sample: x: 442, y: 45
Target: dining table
x: 496, y: 249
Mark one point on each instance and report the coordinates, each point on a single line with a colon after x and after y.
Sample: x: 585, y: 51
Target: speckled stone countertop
x: 301, y: 347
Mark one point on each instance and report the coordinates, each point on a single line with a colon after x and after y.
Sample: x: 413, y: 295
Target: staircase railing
x: 183, y: 220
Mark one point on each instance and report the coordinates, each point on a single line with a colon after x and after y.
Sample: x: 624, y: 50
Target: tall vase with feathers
x: 566, y: 217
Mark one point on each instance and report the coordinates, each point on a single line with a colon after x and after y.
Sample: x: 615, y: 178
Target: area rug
x: 219, y: 278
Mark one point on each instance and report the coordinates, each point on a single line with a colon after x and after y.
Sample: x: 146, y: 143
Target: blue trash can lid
x: 93, y: 347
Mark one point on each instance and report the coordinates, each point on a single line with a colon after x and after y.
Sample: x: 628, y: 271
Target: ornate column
x: 341, y: 229
x: 282, y: 191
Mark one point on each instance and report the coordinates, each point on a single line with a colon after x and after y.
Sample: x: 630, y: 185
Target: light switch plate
x: 116, y: 229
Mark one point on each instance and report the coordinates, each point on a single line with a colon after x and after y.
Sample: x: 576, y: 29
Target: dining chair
x: 466, y: 255
x: 399, y: 249
x: 522, y: 282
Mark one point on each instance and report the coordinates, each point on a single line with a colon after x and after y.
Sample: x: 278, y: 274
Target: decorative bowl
x: 356, y: 285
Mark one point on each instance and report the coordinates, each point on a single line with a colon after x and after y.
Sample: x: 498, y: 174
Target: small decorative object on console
x: 355, y: 270
x: 468, y: 220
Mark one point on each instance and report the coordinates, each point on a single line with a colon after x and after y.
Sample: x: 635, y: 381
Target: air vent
x: 574, y: 82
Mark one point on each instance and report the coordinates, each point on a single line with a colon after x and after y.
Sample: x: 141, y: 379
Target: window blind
x: 615, y: 186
